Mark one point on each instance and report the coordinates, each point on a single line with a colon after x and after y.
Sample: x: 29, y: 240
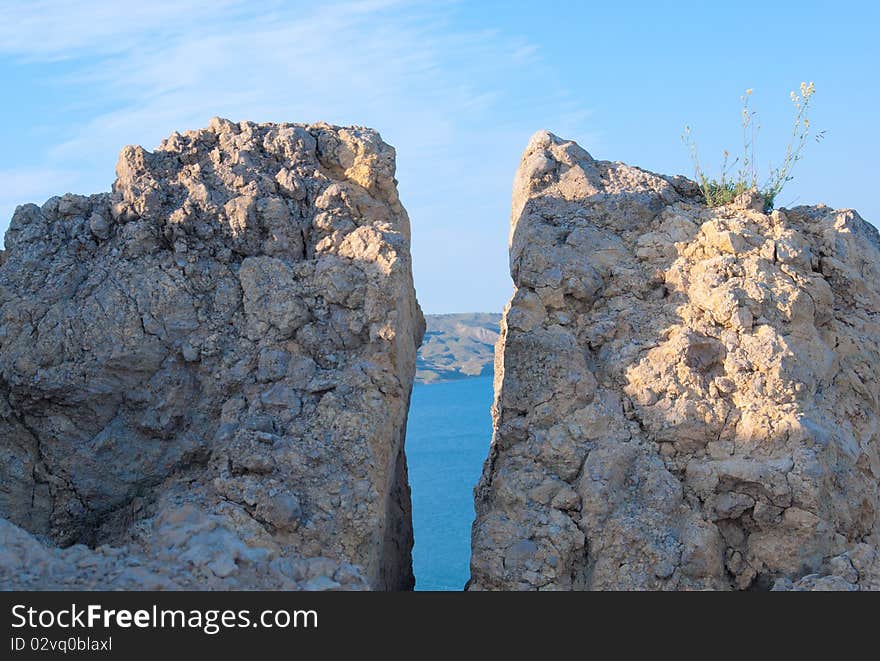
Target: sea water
x: 447, y: 439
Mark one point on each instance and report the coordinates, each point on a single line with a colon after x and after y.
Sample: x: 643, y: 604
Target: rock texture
x: 205, y: 374
x: 686, y: 398
x: 457, y: 346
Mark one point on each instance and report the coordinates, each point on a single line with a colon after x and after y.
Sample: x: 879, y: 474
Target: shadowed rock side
x: 686, y: 398
x: 205, y: 374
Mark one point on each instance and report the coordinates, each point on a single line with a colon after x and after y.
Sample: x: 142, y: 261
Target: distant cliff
x: 457, y: 346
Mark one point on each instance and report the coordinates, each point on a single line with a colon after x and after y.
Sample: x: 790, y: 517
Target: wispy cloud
x: 458, y: 104
x: 24, y: 184
x: 61, y: 29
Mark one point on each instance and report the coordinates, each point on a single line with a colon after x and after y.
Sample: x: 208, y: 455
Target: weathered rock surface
x: 686, y: 398
x: 205, y: 374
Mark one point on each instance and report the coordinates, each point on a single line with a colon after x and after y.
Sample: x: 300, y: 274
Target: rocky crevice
x: 205, y: 377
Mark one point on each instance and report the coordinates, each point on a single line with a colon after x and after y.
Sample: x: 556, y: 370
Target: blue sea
x: 447, y: 440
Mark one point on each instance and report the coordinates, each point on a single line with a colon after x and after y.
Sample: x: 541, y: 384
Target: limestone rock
x: 685, y: 398
x: 227, y: 341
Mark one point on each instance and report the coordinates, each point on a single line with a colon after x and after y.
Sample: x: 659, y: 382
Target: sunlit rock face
x: 207, y: 370
x: 686, y: 398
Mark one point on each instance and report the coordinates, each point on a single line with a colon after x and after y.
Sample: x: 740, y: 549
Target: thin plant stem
x: 724, y: 190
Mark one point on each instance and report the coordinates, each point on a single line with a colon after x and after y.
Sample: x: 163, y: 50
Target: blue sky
x: 456, y: 87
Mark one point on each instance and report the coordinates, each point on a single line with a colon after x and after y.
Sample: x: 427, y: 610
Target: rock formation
x: 686, y: 398
x: 205, y: 374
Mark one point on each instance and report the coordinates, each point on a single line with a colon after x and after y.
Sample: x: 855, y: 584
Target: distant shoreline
x: 455, y: 379
x: 457, y: 346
